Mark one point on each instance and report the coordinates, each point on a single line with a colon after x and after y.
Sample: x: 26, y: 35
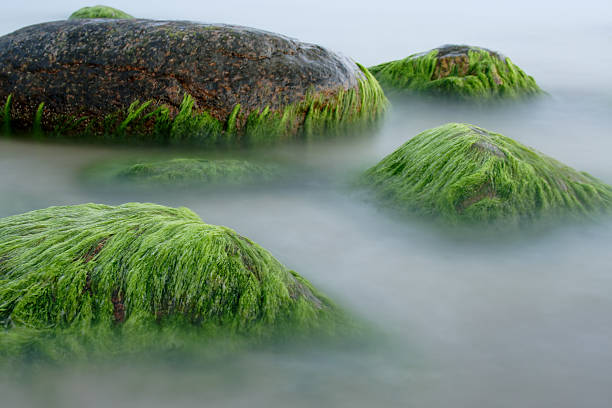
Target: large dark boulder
x: 95, y: 77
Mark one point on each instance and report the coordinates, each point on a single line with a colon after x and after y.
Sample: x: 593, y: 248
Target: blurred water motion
x: 464, y: 323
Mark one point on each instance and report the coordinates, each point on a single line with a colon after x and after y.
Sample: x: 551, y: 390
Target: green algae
x: 37, y: 124
x: 95, y: 280
x: 6, y: 116
x: 98, y: 12
x: 461, y: 173
x: 318, y: 115
x: 182, y: 172
x: 481, y: 75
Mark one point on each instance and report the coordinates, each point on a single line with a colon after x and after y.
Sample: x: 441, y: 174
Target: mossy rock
x: 96, y: 279
x: 184, y: 172
x: 177, y: 82
x: 461, y: 173
x: 457, y: 71
x: 98, y: 12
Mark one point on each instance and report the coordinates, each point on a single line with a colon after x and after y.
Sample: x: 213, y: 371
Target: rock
x: 461, y: 173
x: 121, y: 278
x: 98, y: 12
x: 184, y: 172
x: 457, y: 71
x: 179, y: 82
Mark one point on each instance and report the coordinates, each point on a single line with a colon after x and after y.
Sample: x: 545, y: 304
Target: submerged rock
x: 463, y: 173
x: 178, y: 82
x: 121, y: 278
x: 185, y: 172
x: 98, y: 12
x: 458, y: 71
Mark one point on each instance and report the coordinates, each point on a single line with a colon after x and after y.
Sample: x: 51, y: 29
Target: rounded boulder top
x: 462, y: 173
x: 120, y: 278
x: 457, y: 71
x: 98, y: 12
x: 178, y: 82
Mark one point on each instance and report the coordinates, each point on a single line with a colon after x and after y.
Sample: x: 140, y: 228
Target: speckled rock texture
x: 97, y: 67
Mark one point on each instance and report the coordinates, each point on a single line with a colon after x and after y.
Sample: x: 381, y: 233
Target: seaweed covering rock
x: 463, y: 173
x: 196, y: 172
x: 178, y: 82
x: 457, y: 71
x: 98, y: 12
x: 139, y: 276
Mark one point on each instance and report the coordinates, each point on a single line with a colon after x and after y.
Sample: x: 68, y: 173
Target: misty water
x: 506, y: 321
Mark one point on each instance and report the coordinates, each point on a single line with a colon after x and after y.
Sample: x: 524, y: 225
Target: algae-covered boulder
x: 98, y: 12
x: 178, y: 82
x: 184, y: 172
x: 457, y: 71
x: 463, y: 173
x: 126, y: 278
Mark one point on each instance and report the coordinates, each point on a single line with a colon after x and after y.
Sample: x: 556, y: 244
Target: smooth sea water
x: 507, y: 321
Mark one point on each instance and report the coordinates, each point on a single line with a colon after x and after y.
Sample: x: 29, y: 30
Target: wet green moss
x: 37, y: 125
x: 186, y: 172
x: 99, y: 280
x: 6, y: 116
x: 462, y: 72
x: 98, y: 12
x: 317, y: 115
x: 461, y: 173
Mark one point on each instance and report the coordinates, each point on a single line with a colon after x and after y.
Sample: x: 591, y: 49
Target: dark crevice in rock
x: 95, y: 250
x: 118, y: 306
x: 87, y: 286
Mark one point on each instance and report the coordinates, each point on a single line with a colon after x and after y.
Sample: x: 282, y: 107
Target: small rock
x: 462, y: 173
x: 457, y: 71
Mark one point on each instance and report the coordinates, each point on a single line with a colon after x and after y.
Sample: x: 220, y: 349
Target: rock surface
x: 93, y: 68
x: 461, y: 71
x: 463, y: 173
x: 85, y: 274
